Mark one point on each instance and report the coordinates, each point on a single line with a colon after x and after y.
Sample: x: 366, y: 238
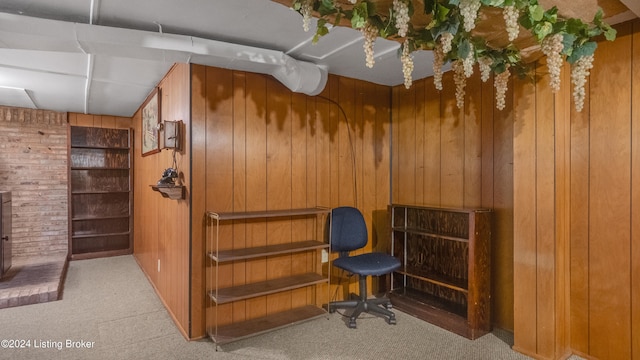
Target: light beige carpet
x: 110, y: 304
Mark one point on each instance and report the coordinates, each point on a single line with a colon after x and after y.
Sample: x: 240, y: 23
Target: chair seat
x: 370, y: 264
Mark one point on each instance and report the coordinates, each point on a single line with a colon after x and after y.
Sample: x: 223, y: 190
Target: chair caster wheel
x: 388, y: 306
x: 332, y: 309
x: 391, y: 321
x: 352, y: 324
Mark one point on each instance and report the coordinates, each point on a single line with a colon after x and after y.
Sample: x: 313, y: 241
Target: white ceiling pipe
x: 53, y: 35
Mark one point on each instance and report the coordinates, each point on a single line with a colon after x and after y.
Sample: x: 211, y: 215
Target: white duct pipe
x: 53, y: 35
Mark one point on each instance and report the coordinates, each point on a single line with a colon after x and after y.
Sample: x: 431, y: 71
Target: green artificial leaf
x: 592, y: 32
x: 513, y: 57
x: 321, y: 30
x: 494, y: 3
x: 551, y: 15
x: 442, y: 12
x: 464, y: 47
x: 597, y: 19
x: 337, y: 19
x: 326, y: 7
x: 371, y: 6
x: 536, y: 12
x: 296, y: 5
x: 429, y: 5
x: 525, y: 21
x: 328, y: 4
x: 450, y: 26
x: 574, y: 26
x: 586, y: 49
x: 541, y: 30
x: 499, y: 67
x: 567, y: 42
x: 610, y: 33
x: 359, y: 15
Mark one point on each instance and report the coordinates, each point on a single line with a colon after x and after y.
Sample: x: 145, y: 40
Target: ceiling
x: 105, y: 56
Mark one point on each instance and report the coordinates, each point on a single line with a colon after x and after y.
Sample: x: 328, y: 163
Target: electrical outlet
x: 325, y: 256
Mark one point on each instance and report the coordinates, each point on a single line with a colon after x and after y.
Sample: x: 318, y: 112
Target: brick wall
x: 33, y: 166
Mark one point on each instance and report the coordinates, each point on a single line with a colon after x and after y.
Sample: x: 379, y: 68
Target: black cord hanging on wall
x: 351, y: 148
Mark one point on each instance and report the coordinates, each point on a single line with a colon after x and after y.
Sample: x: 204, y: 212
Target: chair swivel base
x: 377, y: 306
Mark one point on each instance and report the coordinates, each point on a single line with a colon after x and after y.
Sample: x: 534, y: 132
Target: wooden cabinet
x: 100, y: 192
x: 230, y: 260
x: 445, y: 273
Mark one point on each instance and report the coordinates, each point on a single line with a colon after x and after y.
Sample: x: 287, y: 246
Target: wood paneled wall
x: 444, y: 156
x: 161, y: 225
x: 564, y: 185
x: 258, y: 146
x: 577, y: 210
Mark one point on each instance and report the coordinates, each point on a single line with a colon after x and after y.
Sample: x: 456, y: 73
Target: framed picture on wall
x: 150, y: 120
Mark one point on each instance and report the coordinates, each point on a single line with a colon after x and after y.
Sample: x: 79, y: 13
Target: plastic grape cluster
x: 484, y: 63
x: 407, y: 65
x: 469, y: 61
x: 401, y: 11
x: 460, y: 81
x: 370, y: 34
x: 552, y: 47
x: 579, y: 73
x: 501, y: 82
x: 469, y: 11
x: 511, y: 14
x: 445, y: 40
x: 438, y: 62
x: 305, y: 9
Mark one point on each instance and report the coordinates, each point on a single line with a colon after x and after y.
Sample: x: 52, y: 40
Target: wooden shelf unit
x: 446, y: 266
x: 100, y: 192
x: 308, y: 276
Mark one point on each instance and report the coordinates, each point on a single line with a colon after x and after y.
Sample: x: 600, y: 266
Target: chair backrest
x: 348, y: 230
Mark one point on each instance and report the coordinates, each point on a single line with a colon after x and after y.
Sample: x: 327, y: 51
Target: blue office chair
x: 348, y: 233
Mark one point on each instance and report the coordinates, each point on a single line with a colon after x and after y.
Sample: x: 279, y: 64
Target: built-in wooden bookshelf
x: 100, y: 192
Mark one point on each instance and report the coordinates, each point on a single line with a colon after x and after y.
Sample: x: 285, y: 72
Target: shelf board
x: 98, y: 168
x: 257, y: 326
x: 261, y: 251
x: 174, y: 192
x: 89, y: 192
x: 81, y: 218
x: 428, y: 233
x: 448, y: 282
x: 85, y: 236
x: 268, y: 213
x: 262, y: 288
x: 99, y: 254
x: 440, y: 312
x: 99, y: 147
x: 417, y: 296
x: 441, y: 209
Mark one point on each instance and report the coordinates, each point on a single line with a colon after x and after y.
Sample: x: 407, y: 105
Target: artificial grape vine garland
x: 450, y: 36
